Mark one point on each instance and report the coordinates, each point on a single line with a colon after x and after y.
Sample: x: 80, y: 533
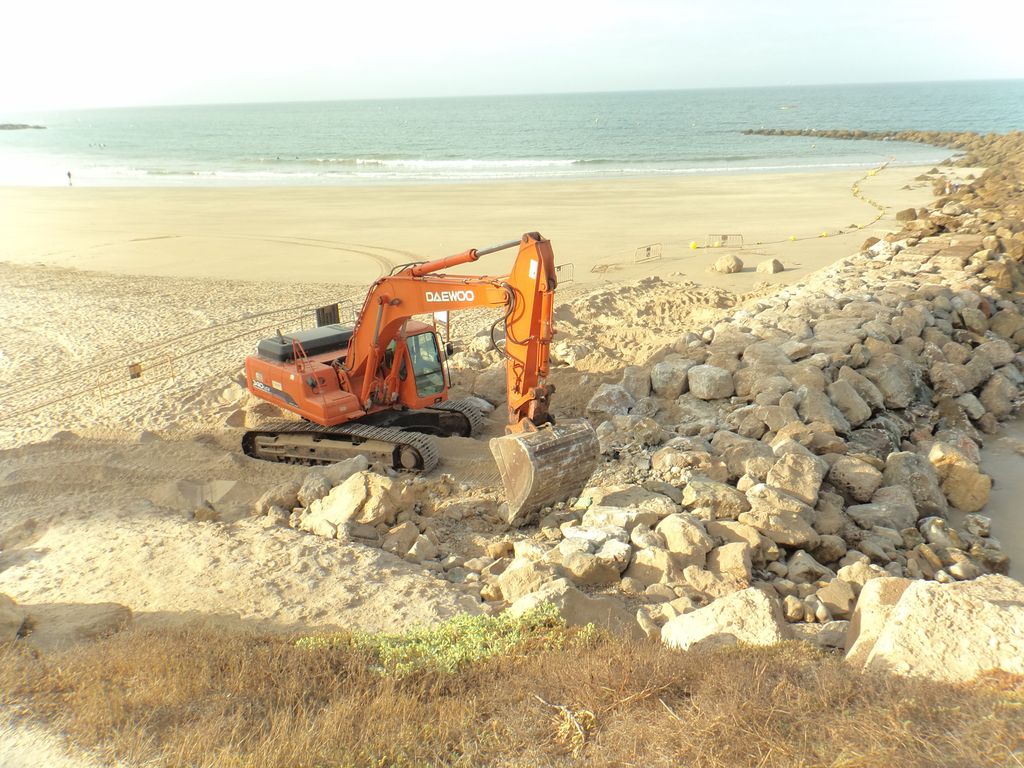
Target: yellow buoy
x: 824, y: 234
x: 792, y: 237
x: 693, y: 245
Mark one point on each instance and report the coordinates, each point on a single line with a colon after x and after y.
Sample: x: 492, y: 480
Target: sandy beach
x: 352, y: 235
x: 127, y: 501
x: 97, y: 278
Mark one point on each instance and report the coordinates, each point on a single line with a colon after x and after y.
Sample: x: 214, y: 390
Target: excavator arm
x: 540, y: 462
x: 525, y: 295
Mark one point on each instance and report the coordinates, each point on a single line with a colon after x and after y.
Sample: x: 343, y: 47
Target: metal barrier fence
x: 644, y: 253
x: 723, y: 241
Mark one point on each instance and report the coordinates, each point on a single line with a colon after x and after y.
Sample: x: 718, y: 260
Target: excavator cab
x: 427, y: 365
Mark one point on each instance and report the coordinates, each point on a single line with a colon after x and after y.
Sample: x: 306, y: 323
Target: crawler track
x: 305, y: 443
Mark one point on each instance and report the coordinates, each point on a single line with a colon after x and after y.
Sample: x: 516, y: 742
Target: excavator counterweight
x: 380, y: 388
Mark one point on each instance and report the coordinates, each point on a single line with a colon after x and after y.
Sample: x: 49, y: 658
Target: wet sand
x: 1003, y: 459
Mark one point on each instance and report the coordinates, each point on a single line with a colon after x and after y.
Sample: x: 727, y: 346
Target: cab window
x: 426, y: 364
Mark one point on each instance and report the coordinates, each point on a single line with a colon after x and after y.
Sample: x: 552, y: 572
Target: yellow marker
x: 872, y: 173
x: 718, y: 244
x: 792, y: 237
x: 693, y: 245
x: 824, y: 234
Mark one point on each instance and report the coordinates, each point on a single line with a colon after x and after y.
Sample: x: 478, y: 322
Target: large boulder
x: 365, y: 498
x: 749, y: 616
x: 636, y: 381
x: 855, y: 478
x: 782, y: 518
x: 600, y: 516
x: 668, y: 378
x: 627, y: 495
x: 686, y: 539
x: 914, y: 472
x: 951, y: 632
x: 609, y: 400
x: 578, y: 609
x: 284, y: 495
x: 709, y: 382
x: 965, y: 486
x: 895, y: 379
x: 728, y: 264
x: 314, y: 487
x: 849, y: 402
x: 723, y: 500
x: 799, y: 475
x: 653, y: 565
x: 770, y: 267
x: 524, y: 576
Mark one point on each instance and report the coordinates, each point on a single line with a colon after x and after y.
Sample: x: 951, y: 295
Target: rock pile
x: 812, y: 459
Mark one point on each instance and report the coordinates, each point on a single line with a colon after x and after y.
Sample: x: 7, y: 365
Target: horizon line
x: 508, y: 95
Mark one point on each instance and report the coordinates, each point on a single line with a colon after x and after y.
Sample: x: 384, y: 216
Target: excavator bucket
x: 544, y: 467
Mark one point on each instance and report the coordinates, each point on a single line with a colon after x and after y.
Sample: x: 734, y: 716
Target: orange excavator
x: 380, y: 388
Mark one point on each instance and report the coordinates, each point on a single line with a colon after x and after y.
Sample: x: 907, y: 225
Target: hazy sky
x: 96, y: 53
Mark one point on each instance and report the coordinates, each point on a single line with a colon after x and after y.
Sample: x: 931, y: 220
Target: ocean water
x: 653, y: 133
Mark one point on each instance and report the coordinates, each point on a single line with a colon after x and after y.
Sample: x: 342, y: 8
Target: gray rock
x: 868, y: 392
x: 748, y: 616
x: 686, y: 539
x: 849, y: 402
x: 804, y: 569
x: 578, y: 609
x: 609, y: 400
x: 798, y: 474
x: 589, y: 570
x: 653, y: 565
x: 709, y: 382
x: 636, y: 381
x: 314, y: 486
x: 895, y: 379
x: 915, y: 473
x: 952, y: 632
x: 601, y: 516
x: 669, y: 377
x: 855, y: 478
x: 838, y: 597
x: 490, y: 385
x: 726, y: 502
x: 815, y: 406
x: 999, y: 396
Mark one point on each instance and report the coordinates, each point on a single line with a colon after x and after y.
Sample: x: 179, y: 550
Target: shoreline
x: 261, y: 179
x: 352, y: 234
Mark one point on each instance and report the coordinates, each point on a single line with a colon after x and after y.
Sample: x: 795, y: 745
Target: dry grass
x: 199, y: 697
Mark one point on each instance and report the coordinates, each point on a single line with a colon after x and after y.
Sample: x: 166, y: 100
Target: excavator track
x: 467, y: 409
x: 311, y: 444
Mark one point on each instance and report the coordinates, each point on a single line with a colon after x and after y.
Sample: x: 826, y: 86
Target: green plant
x: 457, y: 642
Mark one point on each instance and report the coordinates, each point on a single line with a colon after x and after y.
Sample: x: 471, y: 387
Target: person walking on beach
x: 69, y: 178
